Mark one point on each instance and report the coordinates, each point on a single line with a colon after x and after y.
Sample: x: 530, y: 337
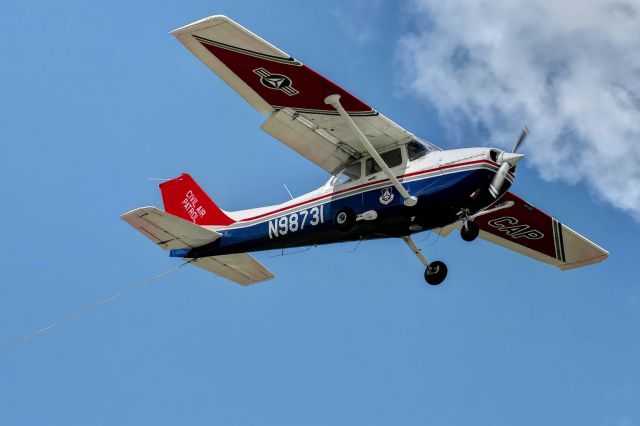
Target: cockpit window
x: 392, y: 158
x: 416, y: 150
x: 348, y: 174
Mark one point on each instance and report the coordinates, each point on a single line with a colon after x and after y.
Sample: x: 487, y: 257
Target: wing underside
x: 293, y: 94
x: 241, y: 268
x: 529, y: 231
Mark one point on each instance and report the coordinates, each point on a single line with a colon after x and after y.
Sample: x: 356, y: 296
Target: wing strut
x: 334, y: 101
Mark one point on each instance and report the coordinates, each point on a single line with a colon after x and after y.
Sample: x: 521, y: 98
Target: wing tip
x: 135, y: 211
x: 200, y: 24
x: 585, y: 262
x: 582, y: 252
x: 237, y: 33
x: 252, y: 281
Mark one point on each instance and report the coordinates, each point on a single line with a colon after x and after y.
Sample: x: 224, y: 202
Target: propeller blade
x: 506, y: 161
x: 523, y: 136
x: 498, y: 180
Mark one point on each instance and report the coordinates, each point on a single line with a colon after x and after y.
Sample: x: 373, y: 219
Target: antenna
x: 287, y: 189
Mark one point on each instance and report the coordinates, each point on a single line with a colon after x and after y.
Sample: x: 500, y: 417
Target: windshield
x: 421, y: 145
x: 416, y: 150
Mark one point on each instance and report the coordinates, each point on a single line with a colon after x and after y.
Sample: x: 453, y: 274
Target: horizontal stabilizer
x: 168, y: 231
x: 241, y: 268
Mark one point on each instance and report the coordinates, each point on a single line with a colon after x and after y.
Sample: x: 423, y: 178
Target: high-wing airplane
x: 386, y: 182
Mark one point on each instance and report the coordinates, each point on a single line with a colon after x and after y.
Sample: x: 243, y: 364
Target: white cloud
x: 359, y: 27
x: 569, y: 69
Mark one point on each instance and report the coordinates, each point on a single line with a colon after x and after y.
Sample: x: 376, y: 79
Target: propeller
x: 523, y: 136
x: 506, y: 161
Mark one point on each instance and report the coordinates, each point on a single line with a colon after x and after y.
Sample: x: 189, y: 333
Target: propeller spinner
x: 506, y: 161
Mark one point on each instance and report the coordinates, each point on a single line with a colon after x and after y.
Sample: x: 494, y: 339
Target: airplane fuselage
x: 445, y: 183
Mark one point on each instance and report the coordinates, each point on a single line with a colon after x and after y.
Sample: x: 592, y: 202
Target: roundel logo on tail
x: 276, y: 81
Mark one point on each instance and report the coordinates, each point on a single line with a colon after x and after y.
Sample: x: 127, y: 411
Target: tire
x: 435, y: 273
x: 469, y: 231
x: 344, y: 219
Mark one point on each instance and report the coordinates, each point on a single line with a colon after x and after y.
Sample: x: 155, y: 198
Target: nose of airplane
x: 510, y: 157
x: 506, y: 160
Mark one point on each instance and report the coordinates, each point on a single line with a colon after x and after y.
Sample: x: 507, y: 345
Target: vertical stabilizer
x: 184, y: 198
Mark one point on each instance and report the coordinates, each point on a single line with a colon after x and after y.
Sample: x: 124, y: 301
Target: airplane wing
x: 293, y: 94
x: 531, y: 232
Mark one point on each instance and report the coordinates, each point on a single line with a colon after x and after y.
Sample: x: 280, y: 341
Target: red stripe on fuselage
x: 365, y: 185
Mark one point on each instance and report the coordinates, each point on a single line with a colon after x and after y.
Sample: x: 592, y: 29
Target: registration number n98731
x: 295, y: 222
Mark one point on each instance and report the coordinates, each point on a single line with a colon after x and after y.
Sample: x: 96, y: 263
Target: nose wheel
x: 435, y: 272
x: 469, y: 231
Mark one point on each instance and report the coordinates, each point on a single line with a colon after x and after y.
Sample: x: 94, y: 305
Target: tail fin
x: 184, y: 198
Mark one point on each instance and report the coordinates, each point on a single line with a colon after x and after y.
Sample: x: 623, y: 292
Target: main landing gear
x: 435, y: 272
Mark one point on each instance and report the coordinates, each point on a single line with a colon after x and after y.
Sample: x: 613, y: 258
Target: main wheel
x: 435, y: 273
x: 469, y: 231
x: 344, y: 219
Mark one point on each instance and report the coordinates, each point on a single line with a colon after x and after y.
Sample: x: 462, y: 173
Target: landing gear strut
x: 435, y: 272
x: 470, y: 230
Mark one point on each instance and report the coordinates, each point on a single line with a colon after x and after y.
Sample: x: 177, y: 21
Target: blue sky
x: 98, y: 97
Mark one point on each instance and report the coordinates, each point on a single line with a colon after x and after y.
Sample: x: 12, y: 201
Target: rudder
x: 184, y: 198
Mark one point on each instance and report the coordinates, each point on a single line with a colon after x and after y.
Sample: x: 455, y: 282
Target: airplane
x: 386, y: 182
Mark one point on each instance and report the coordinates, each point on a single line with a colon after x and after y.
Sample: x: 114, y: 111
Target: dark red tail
x: 184, y: 198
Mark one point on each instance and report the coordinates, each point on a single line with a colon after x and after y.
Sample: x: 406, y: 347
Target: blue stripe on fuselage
x: 439, y: 199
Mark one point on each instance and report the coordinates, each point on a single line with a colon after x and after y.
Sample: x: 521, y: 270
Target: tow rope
x: 87, y: 309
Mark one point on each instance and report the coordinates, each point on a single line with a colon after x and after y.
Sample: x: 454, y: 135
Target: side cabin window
x: 392, y: 158
x: 416, y: 150
x: 350, y: 173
